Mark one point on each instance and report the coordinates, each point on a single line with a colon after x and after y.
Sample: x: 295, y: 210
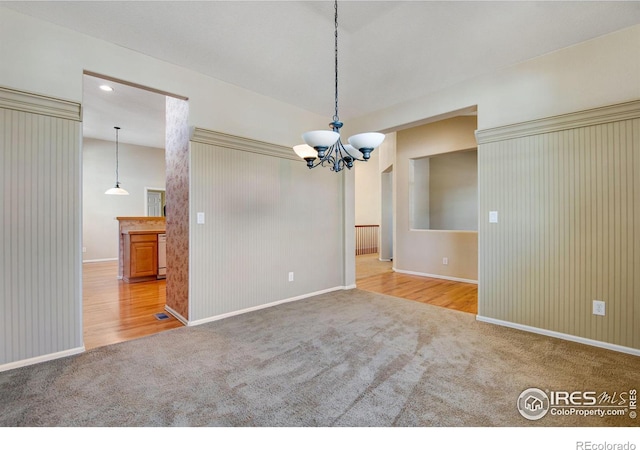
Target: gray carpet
x: 350, y: 358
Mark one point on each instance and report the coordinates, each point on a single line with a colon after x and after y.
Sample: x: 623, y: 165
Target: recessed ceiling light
x: 107, y: 88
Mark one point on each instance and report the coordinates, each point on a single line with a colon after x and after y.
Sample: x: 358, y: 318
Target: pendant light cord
x: 117, y: 177
x: 335, y: 117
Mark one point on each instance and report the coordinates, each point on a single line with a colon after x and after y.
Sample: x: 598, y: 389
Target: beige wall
x: 263, y: 219
x: 139, y: 167
x: 422, y: 251
x: 594, y: 73
x: 386, y: 161
x: 367, y: 186
x: 419, y: 198
x: 453, y: 191
x: 48, y: 59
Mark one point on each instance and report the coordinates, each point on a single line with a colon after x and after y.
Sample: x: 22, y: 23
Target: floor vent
x: 161, y: 316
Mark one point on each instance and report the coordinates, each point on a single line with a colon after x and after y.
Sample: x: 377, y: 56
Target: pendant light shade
x: 304, y: 151
x: 320, y: 138
x: 116, y: 190
x: 366, y: 142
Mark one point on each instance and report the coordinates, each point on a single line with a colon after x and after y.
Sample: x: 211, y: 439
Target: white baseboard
x: 43, y: 358
x: 430, y: 275
x: 175, y: 314
x: 266, y: 305
x: 564, y: 336
x: 98, y: 260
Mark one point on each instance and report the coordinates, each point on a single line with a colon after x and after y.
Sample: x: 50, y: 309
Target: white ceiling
x: 389, y: 51
x: 139, y: 113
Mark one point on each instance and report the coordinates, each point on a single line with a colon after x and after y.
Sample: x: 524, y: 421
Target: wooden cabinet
x: 140, y: 262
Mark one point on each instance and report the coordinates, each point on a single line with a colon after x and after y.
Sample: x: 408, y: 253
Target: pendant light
x: 323, y: 147
x: 116, y: 190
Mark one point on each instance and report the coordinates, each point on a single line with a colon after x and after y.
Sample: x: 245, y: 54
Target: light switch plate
x: 493, y: 216
x: 200, y: 218
x: 599, y: 308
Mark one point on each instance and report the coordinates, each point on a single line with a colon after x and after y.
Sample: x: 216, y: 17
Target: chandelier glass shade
x: 324, y: 147
x: 116, y: 190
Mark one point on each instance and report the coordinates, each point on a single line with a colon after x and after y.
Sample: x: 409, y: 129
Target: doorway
x: 155, y: 202
x: 412, y: 275
x: 380, y: 262
x: 114, y: 310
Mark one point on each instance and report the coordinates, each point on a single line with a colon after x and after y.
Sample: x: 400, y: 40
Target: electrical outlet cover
x: 599, y: 308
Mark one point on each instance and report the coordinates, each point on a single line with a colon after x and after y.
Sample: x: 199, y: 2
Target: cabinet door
x: 144, y: 258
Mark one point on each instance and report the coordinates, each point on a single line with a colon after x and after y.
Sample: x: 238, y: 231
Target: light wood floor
x: 377, y: 276
x: 115, y: 311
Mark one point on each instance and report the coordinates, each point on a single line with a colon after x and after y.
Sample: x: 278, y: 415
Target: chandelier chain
x: 323, y: 147
x: 335, y: 117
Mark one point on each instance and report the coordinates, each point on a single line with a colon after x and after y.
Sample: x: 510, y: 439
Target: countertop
x: 141, y: 218
x: 144, y: 232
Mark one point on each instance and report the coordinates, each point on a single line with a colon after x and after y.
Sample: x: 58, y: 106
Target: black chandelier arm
x: 315, y: 162
x: 343, y: 149
x: 331, y: 161
x: 337, y: 156
x: 329, y: 158
x: 336, y: 164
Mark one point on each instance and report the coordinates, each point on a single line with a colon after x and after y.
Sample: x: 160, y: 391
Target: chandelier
x: 116, y: 190
x: 324, y: 148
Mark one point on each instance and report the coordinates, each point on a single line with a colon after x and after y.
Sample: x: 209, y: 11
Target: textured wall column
x: 177, y: 157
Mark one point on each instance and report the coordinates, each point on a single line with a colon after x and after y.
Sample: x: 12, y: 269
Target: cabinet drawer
x: 144, y: 237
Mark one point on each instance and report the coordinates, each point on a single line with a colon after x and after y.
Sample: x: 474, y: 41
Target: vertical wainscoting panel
x: 265, y: 216
x: 567, y: 197
x: 40, y: 273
